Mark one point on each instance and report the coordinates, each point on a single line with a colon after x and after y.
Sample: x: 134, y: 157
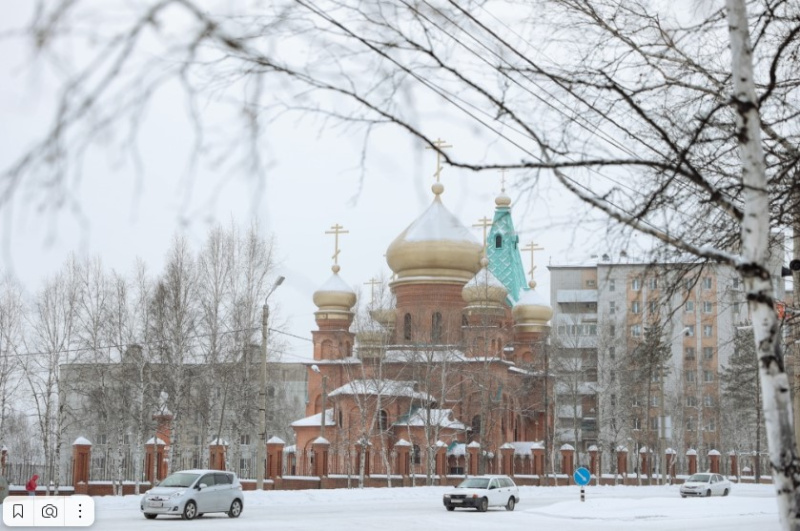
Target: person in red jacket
x: 30, y: 486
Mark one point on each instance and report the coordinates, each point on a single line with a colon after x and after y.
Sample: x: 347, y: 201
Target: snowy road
x: 558, y: 508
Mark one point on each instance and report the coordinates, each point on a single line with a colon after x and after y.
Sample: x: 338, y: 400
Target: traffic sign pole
x: 582, y: 477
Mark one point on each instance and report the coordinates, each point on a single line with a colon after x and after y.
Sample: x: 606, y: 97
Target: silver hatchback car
x: 192, y: 493
x: 482, y: 492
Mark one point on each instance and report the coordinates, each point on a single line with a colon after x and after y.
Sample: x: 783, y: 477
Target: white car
x: 482, y: 492
x: 706, y: 484
x: 192, y: 493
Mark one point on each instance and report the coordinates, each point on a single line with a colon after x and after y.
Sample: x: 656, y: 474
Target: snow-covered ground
x: 402, y: 509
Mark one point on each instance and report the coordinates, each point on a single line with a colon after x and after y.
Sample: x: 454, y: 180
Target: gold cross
x: 336, y: 231
x: 485, y: 223
x: 532, y: 247
x: 503, y: 179
x: 439, y: 145
x: 373, y: 282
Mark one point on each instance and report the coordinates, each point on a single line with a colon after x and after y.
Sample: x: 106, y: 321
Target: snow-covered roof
x: 438, y: 417
x: 320, y: 440
x: 275, y: 440
x: 438, y: 224
x: 79, y: 440
x: 336, y: 284
x: 381, y: 387
x: 315, y: 420
x: 484, y: 279
x: 157, y: 440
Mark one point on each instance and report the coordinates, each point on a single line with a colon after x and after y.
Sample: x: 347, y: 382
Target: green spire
x: 502, y: 250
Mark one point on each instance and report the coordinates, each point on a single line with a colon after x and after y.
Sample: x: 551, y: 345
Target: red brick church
x: 445, y: 380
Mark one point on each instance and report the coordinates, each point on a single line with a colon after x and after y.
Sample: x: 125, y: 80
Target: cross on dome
x: 336, y: 230
x: 532, y: 247
x: 438, y: 145
x: 485, y: 223
x: 372, y: 283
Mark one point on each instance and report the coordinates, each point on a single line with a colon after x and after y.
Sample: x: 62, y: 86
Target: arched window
x: 498, y: 241
x: 383, y: 420
x: 464, y: 321
x: 476, y: 427
x: 407, y: 326
x: 327, y: 348
x: 416, y: 455
x: 340, y: 418
x: 436, y: 327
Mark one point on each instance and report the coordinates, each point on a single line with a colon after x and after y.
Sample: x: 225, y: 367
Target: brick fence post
x: 713, y: 461
x: 275, y: 446
x: 691, y: 456
x: 81, y: 459
x: 507, y: 459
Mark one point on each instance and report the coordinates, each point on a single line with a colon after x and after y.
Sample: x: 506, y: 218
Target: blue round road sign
x: 581, y: 476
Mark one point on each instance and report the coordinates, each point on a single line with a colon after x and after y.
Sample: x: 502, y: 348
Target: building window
x: 612, y: 285
x: 416, y: 455
x: 708, y: 376
x: 691, y: 376
x: 690, y: 424
x: 436, y: 327
x: 708, y: 353
x: 708, y: 330
x: 407, y: 326
x: 735, y: 283
x: 653, y: 423
x: 244, y: 438
x: 708, y: 306
x: 635, y: 307
x: 612, y: 307
x: 691, y: 401
x: 592, y: 329
x: 498, y: 241
x: 689, y: 353
x: 196, y: 440
x: 653, y: 307
x: 653, y: 400
x: 636, y: 330
x: 464, y: 321
x: 689, y: 306
x: 708, y: 401
x: 637, y: 424
x: 562, y: 330
x: 636, y: 284
x: 612, y: 331
x: 591, y: 284
x: 711, y: 425
x: 707, y: 283
x: 102, y: 438
x: 653, y: 283
x: 613, y: 401
x: 689, y: 331
x: 736, y: 308
x: 612, y: 352
x: 383, y: 420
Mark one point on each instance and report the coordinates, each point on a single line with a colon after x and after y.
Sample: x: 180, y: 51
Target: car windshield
x: 699, y: 478
x: 474, y: 483
x: 181, y: 479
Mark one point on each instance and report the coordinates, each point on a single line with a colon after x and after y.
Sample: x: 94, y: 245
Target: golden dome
x: 484, y: 288
x: 335, y: 295
x: 436, y: 247
x: 531, y: 312
x: 502, y: 200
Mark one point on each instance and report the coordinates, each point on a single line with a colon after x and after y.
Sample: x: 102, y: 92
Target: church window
x: 464, y: 321
x: 416, y: 454
x: 436, y: 327
x: 383, y: 420
x: 498, y: 241
x: 476, y: 427
x: 407, y: 326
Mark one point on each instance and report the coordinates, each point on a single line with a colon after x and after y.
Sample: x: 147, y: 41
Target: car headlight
x: 176, y: 494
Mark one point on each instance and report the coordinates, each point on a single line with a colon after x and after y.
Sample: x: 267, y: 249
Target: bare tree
x: 12, y: 319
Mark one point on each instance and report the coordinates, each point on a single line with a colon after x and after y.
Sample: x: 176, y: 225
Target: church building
x: 445, y: 380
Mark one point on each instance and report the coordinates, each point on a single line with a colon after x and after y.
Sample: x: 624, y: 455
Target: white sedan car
x: 192, y: 493
x: 706, y: 484
x: 482, y: 492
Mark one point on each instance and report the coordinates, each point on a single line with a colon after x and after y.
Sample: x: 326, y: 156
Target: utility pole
x: 262, y: 390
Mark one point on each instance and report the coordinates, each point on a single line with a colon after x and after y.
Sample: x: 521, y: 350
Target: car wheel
x: 725, y: 492
x: 511, y: 504
x: 450, y: 508
x: 150, y: 516
x: 483, y: 505
x: 189, y: 511
x: 708, y: 493
x: 236, y: 509
x: 683, y: 495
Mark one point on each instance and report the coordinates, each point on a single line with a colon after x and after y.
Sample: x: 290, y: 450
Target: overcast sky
x: 314, y: 181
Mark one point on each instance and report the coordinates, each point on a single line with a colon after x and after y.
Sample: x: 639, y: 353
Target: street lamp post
x: 262, y: 391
